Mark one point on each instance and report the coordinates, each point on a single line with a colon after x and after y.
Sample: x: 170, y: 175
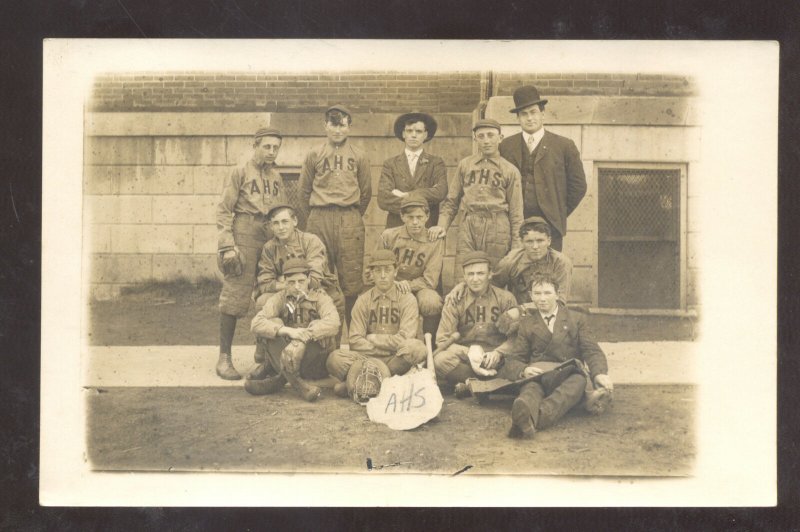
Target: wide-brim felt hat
x: 425, y: 118
x: 526, y: 96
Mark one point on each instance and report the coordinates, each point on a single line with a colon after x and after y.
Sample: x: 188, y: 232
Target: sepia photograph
x: 404, y: 269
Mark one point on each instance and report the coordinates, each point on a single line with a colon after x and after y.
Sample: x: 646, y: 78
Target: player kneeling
x: 298, y: 326
x: 383, y: 326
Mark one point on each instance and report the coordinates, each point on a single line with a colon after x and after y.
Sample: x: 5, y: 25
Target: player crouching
x: 298, y: 326
x: 383, y: 326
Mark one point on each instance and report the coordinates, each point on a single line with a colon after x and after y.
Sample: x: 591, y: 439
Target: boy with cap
x: 383, y: 325
x: 336, y: 185
x: 413, y: 171
x: 247, y: 195
x: 470, y: 324
x: 486, y: 188
x: 516, y: 270
x: 553, y: 180
x: 298, y: 326
x: 419, y: 259
x: 291, y: 243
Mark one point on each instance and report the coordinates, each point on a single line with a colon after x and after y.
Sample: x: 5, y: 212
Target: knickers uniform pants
x: 341, y: 230
x: 484, y: 231
x: 413, y: 352
x: 429, y: 302
x: 311, y: 367
x: 453, y: 362
x: 250, y: 232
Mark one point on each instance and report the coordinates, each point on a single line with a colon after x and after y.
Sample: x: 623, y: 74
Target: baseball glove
x: 232, y: 266
x: 364, y: 379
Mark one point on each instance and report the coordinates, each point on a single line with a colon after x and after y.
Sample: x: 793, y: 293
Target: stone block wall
x: 152, y: 182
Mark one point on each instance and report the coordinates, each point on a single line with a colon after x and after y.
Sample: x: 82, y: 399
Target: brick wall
x: 363, y: 92
x: 374, y: 92
x: 504, y: 83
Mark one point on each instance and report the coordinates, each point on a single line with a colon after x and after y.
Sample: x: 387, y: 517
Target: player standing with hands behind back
x: 336, y: 185
x: 248, y: 194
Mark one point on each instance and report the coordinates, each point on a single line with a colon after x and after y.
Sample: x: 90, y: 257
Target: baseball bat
x: 429, y: 347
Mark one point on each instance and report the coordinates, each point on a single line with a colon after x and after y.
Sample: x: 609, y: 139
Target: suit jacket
x: 559, y: 180
x: 429, y: 181
x: 535, y: 343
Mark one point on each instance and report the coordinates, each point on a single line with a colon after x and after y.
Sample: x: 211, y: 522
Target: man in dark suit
x: 553, y: 181
x: 414, y: 170
x: 549, y: 334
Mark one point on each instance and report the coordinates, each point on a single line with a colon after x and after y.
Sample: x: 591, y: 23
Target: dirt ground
x: 649, y: 431
x: 182, y: 316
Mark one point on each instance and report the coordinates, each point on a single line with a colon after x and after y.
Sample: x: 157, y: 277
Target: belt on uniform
x: 257, y: 216
x: 331, y: 207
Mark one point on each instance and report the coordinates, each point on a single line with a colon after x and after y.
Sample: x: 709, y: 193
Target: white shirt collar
x: 409, y: 152
x: 537, y: 137
x: 554, y: 313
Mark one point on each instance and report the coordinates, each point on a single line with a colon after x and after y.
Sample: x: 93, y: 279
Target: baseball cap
x: 268, y: 132
x: 296, y: 266
x: 413, y: 200
x: 272, y: 210
x: 341, y: 108
x: 475, y: 257
x: 533, y: 220
x: 487, y: 122
x: 382, y: 257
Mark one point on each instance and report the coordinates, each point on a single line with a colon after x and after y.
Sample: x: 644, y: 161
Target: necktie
x: 412, y: 162
x: 547, y: 320
x: 530, y: 144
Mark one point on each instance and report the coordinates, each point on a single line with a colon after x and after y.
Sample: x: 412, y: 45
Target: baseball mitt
x: 292, y: 355
x: 233, y: 265
x: 364, y: 379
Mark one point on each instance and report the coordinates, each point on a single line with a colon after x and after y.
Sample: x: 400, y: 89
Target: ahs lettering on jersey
x: 475, y: 318
x: 393, y: 316
x: 301, y: 245
x: 336, y: 175
x: 316, y: 312
x: 249, y: 189
x: 484, y: 184
x: 418, y: 261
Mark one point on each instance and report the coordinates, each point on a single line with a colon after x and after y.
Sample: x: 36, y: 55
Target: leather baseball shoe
x: 522, y: 425
x: 265, y: 386
x: 597, y: 401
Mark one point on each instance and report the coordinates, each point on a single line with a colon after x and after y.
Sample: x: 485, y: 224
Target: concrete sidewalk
x: 192, y: 365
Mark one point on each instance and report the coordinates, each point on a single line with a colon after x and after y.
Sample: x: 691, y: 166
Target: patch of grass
x: 176, y: 287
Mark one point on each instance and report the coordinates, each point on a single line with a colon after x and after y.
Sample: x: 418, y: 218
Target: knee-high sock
x: 227, y: 326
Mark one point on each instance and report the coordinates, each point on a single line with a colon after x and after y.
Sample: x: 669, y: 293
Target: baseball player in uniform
x: 413, y: 171
x: 486, y: 188
x: 247, y: 195
x: 516, y: 270
x: 336, y: 186
x: 419, y: 259
x: 291, y: 243
x: 383, y: 325
x: 550, y: 334
x: 471, y: 322
x: 298, y: 326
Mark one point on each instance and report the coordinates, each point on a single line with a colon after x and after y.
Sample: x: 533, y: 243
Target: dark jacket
x: 558, y: 178
x: 429, y: 181
x: 570, y: 339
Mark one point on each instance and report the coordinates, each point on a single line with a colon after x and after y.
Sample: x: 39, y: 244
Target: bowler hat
x: 267, y: 132
x: 296, y: 266
x: 526, y: 96
x: 382, y: 257
x: 475, y: 257
x: 428, y: 120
